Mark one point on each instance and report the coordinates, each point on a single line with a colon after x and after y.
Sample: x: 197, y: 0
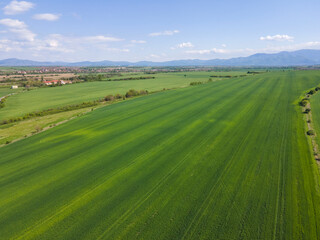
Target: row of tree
x: 129, y: 94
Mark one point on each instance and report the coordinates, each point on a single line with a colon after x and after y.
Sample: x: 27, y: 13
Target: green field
x: 223, y: 160
x: 315, y: 106
x: 14, y: 131
x: 6, y: 91
x: 45, y: 98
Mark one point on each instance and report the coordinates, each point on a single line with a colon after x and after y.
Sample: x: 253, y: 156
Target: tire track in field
x: 135, y: 129
x: 145, y: 198
x: 206, y: 203
x: 156, y: 117
x: 167, y: 101
x: 159, y: 104
x: 67, y: 206
x: 280, y: 187
x: 157, y: 186
x: 87, y: 193
x: 92, y: 190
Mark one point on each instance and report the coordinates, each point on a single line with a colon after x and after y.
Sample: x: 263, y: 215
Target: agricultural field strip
x: 223, y: 112
x: 207, y: 202
x: 45, y: 98
x: 277, y: 171
x: 161, y: 182
x: 113, y: 135
x: 143, y: 199
x: 125, y: 116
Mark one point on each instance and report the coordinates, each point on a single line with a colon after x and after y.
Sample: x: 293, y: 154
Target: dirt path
x: 6, y: 96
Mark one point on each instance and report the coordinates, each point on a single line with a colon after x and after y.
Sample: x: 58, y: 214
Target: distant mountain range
x: 305, y: 57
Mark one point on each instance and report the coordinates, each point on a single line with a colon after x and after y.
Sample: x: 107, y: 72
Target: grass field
x: 223, y: 160
x: 315, y: 106
x: 6, y: 91
x: 44, y: 98
x: 13, y: 131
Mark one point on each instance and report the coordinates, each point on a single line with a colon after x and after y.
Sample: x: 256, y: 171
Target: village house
x: 53, y: 82
x: 63, y: 82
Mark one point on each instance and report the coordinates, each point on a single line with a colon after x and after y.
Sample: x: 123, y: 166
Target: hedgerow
x: 50, y: 111
x: 134, y: 93
x: 195, y: 83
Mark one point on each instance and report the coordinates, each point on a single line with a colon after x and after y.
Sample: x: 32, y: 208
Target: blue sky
x: 155, y: 30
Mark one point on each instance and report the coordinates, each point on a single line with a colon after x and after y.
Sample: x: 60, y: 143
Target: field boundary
x: 310, y: 130
x: 98, y: 104
x: 49, y: 127
x: 93, y: 105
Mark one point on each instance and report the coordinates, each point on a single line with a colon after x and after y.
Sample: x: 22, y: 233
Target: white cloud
x: 117, y: 49
x: 98, y: 39
x: 12, y: 23
x: 154, y: 56
x: 23, y: 34
x: 46, y: 16
x: 52, y: 43
x: 207, y: 51
x: 185, y: 45
x: 227, y: 53
x: 224, y: 45
x: 292, y: 47
x: 18, y: 28
x: 164, y: 33
x: 16, y: 7
x: 101, y: 38
x: 138, y: 41
x: 312, y: 44
x: 277, y: 37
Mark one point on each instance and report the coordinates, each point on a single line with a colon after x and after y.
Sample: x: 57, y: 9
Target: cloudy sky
x: 65, y: 30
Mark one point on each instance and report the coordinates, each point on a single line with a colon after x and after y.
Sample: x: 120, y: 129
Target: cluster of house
x: 47, y: 70
x: 53, y: 82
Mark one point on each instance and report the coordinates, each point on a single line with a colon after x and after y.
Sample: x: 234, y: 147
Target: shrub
x: 132, y: 93
x: 312, y: 92
x: 307, y: 110
x: 143, y: 92
x: 50, y: 111
x: 304, y: 103
x: 195, y: 83
x: 310, y: 132
x: 109, y: 98
x: 2, y: 102
x: 317, y: 89
x: 118, y: 96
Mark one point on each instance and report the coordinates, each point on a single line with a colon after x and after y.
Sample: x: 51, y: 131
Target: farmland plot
x: 223, y: 160
x: 52, y: 97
